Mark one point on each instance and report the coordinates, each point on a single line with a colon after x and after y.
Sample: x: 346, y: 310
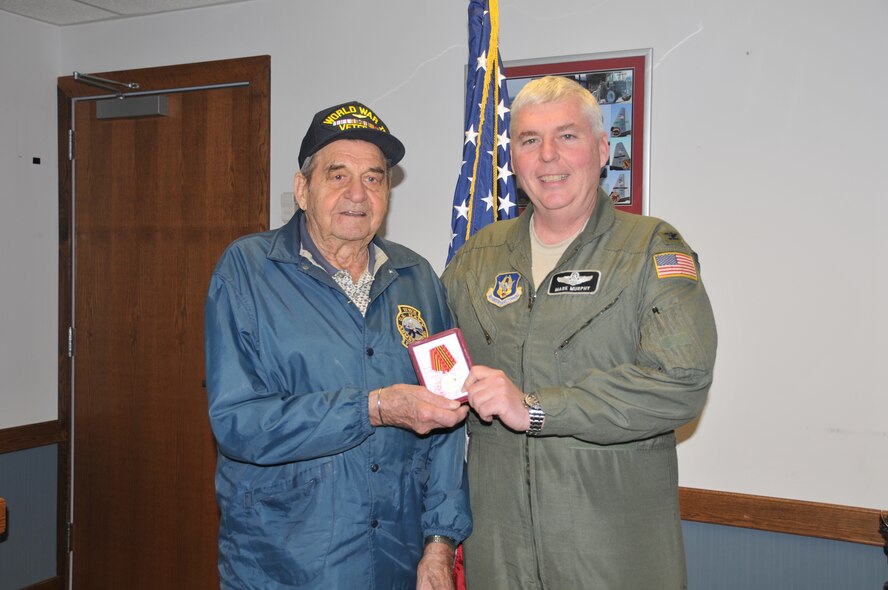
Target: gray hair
x: 554, y: 89
x: 307, y: 167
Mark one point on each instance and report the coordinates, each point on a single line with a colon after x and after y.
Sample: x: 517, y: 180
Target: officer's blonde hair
x: 555, y: 89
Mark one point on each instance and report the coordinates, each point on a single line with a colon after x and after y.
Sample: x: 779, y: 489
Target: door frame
x: 256, y: 71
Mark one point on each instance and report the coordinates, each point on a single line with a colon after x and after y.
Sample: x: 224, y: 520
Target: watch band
x: 441, y: 539
x: 536, y: 413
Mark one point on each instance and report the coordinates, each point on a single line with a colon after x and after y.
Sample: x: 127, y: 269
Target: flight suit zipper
x: 527, y: 443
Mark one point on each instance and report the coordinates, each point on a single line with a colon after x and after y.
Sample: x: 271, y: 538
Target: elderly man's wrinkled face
x: 346, y: 197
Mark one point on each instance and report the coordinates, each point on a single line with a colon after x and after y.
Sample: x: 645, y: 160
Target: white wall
x: 766, y: 129
x: 29, y: 56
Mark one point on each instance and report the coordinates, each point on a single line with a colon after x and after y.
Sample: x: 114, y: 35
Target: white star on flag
x: 503, y: 139
x: 471, y: 135
x: 489, y: 201
x: 503, y: 172
x: 462, y: 210
x: 501, y: 110
x: 506, y: 203
x: 482, y: 61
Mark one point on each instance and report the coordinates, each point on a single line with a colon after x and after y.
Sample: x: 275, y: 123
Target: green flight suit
x: 619, y: 345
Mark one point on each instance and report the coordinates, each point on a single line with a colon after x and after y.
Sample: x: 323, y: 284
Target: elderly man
x: 327, y: 476
x: 593, y: 340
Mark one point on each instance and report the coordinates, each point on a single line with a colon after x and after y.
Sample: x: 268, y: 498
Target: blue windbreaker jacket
x: 311, y: 495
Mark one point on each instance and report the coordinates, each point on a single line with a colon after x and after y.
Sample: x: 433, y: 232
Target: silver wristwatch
x: 537, y: 415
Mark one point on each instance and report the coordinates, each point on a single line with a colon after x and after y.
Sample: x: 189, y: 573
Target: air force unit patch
x: 411, y: 325
x: 575, y: 282
x: 506, y: 289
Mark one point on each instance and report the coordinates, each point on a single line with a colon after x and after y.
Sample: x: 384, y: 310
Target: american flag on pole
x: 485, y: 190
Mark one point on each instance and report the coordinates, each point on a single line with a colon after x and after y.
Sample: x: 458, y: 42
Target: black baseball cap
x: 350, y: 120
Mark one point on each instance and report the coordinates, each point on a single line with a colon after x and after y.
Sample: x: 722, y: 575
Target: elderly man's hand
x: 435, y: 571
x: 413, y: 407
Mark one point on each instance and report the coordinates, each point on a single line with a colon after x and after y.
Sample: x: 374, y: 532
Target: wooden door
x: 154, y: 202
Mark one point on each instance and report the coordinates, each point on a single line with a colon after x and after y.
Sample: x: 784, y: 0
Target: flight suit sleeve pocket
x: 670, y: 342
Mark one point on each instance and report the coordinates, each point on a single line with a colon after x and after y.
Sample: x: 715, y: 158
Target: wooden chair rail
x: 19, y: 438
x: 810, y: 519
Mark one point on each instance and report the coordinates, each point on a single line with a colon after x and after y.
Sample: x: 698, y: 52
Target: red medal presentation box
x: 442, y: 363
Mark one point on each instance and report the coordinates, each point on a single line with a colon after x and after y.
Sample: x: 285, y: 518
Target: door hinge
x: 70, y: 341
x: 70, y: 144
x: 69, y: 537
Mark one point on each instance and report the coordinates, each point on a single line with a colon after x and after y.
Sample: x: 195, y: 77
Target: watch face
x: 531, y: 400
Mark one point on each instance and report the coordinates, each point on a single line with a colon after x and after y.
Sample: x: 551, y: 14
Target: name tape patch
x: 575, y: 282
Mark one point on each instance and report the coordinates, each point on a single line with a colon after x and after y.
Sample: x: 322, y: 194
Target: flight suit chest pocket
x: 596, y: 334
x: 478, y: 325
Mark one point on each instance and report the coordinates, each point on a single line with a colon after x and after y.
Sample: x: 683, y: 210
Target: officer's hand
x: 493, y: 395
x: 413, y: 407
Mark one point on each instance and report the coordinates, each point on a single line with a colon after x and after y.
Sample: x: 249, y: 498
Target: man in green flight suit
x: 593, y: 340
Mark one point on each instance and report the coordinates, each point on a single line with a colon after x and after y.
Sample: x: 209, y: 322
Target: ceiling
x: 73, y: 12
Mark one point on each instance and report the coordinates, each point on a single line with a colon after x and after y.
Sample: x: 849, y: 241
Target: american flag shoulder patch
x: 675, y: 264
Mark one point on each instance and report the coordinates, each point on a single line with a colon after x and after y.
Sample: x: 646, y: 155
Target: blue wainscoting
x: 719, y: 557
x: 731, y: 558
x: 28, y: 481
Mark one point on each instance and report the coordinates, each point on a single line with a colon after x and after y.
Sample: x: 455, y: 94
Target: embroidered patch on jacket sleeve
x: 675, y: 264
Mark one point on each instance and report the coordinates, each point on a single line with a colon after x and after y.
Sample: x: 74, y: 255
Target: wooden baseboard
x: 810, y: 519
x: 19, y: 438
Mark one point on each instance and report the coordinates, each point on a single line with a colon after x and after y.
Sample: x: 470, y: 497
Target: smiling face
x: 346, y: 197
x: 557, y: 155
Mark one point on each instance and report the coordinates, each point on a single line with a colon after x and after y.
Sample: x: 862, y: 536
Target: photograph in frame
x: 620, y: 82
